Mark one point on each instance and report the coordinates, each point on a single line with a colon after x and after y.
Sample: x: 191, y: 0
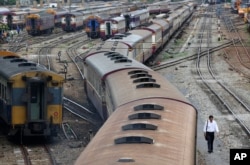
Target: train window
x: 137, y: 71
x: 140, y: 75
x: 148, y: 85
x: 144, y: 116
x: 145, y: 79
x: 10, y: 57
x: 4, y: 93
x: 139, y: 126
x: 134, y: 139
x: 148, y: 107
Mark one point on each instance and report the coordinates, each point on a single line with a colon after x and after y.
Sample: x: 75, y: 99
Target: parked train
x: 110, y: 26
x: 30, y: 97
x: 145, y: 114
x: 40, y: 23
x: 93, y: 18
x: 145, y: 42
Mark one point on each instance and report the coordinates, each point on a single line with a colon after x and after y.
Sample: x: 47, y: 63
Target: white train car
x: 135, y: 18
x: 112, y: 26
x: 72, y: 21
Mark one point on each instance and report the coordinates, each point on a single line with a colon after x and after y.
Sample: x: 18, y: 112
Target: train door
x: 36, y: 108
x: 127, y: 22
x: 93, y: 26
x: 67, y: 20
x: 33, y: 23
x: 108, y: 31
x: 9, y: 21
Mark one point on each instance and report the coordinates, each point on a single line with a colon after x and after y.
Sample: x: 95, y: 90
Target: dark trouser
x: 210, y: 141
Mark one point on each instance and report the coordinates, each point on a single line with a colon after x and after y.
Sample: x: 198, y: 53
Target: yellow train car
x: 30, y: 97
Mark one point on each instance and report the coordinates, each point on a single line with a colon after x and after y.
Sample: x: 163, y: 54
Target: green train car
x: 30, y: 97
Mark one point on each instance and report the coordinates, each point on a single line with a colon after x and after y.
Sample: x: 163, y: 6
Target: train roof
x: 112, y: 46
x: 39, y: 15
x: 105, y: 63
x: 118, y: 19
x: 141, y: 84
x: 73, y: 13
x: 136, y: 12
x: 162, y: 23
x: 4, y: 10
x: 141, y: 32
x: 153, y: 28
x: 12, y: 65
x: 127, y: 38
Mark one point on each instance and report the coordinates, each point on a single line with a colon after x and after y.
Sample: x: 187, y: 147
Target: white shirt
x: 210, y: 126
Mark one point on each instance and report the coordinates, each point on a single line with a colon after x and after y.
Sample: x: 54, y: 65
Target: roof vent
x: 137, y: 71
x: 148, y: 107
x: 116, y: 57
x: 139, y: 126
x: 144, y: 116
x: 109, y: 53
x: 125, y: 160
x: 148, y: 85
x: 113, y: 48
x: 144, y: 79
x: 134, y: 139
x: 123, y: 60
x: 10, y: 57
x: 18, y: 60
x: 26, y: 64
x: 140, y: 75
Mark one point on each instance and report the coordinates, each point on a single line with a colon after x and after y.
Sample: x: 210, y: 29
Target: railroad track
x: 39, y: 154
x: 81, y: 112
x: 235, y: 105
x: 69, y: 133
x: 238, y: 57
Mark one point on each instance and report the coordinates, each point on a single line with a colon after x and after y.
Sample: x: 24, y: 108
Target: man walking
x: 209, y: 129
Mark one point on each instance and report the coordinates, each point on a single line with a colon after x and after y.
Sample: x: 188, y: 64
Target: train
x: 40, y: 23
x: 30, y: 97
x: 146, y: 116
x: 146, y: 41
x: 72, y: 21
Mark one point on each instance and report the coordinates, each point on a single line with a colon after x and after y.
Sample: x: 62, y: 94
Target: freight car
x: 40, y: 23
x: 72, y: 21
x: 30, y: 97
x: 147, y: 114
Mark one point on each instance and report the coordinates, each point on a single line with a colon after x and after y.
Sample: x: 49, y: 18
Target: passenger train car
x: 40, y: 23
x: 30, y: 97
x: 146, y: 116
x: 135, y: 18
x: 112, y: 26
x: 146, y: 41
x: 15, y: 19
x: 72, y: 21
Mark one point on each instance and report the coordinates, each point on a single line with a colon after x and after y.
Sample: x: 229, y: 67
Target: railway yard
x: 207, y: 59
